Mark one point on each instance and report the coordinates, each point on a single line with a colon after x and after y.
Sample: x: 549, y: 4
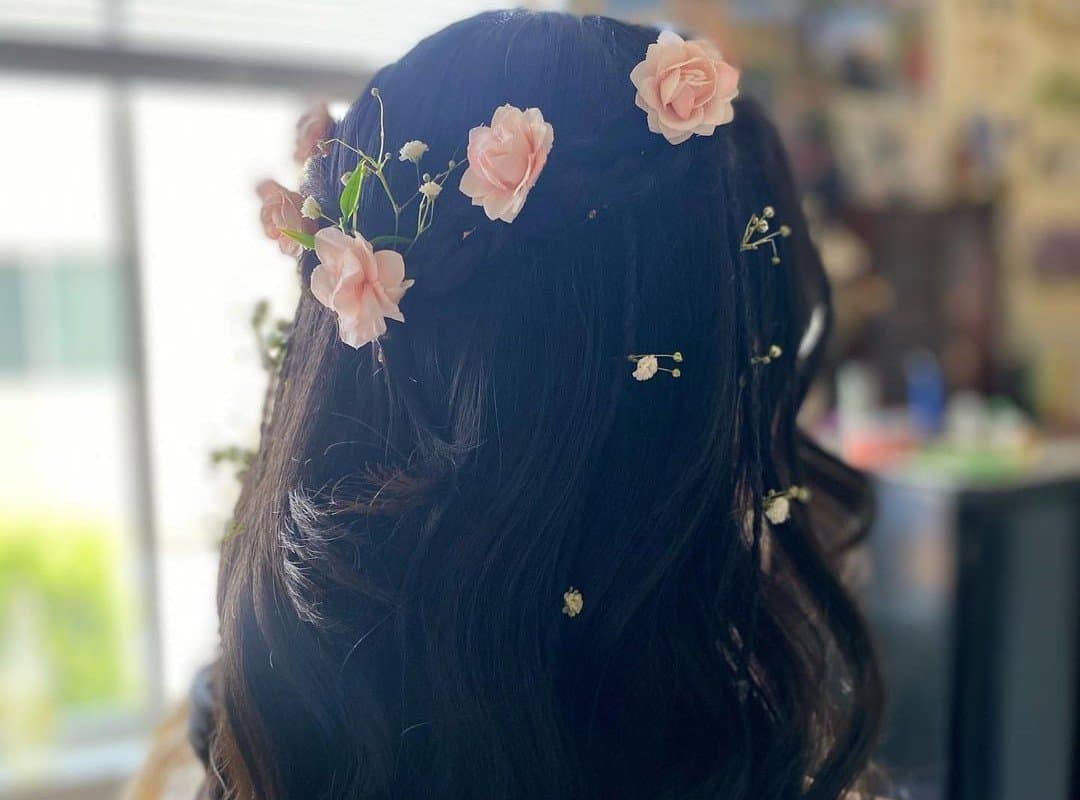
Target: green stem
x: 386, y: 188
x: 382, y: 127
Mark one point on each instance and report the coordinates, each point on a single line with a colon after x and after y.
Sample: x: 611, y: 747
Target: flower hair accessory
x: 363, y: 281
x: 505, y: 160
x: 573, y: 602
x: 646, y: 366
x: 774, y: 352
x: 759, y: 226
x: 361, y: 285
x: 281, y: 211
x: 777, y: 505
x: 311, y: 131
x: 684, y: 88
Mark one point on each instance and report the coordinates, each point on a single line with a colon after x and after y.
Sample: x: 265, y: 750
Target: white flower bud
x: 430, y: 190
x: 311, y: 209
x: 412, y: 151
x: 647, y: 367
x: 778, y: 510
x: 573, y: 602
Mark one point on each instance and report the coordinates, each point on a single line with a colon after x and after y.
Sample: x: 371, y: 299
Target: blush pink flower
x: 685, y: 88
x: 281, y: 209
x: 313, y: 127
x: 361, y: 286
x: 505, y: 160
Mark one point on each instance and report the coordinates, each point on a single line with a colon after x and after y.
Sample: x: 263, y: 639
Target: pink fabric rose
x: 505, y: 160
x: 314, y: 126
x: 281, y: 209
x: 361, y: 286
x: 685, y: 87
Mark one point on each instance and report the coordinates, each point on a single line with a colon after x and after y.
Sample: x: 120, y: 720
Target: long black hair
x: 391, y: 601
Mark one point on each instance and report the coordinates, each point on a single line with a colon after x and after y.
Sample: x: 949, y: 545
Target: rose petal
x: 683, y: 102
x: 390, y: 267
x: 727, y: 79
x: 472, y: 184
x: 324, y: 282
x: 311, y: 128
x: 667, y: 50
x: 330, y: 245
x: 669, y: 37
x: 395, y: 293
x: 506, y: 170
x: 504, y: 114
x: 289, y: 247
x: 497, y: 206
x: 360, y: 332
x: 668, y: 83
x: 267, y: 189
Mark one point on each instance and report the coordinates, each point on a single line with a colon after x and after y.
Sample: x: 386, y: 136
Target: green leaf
x: 391, y: 241
x: 258, y: 314
x: 306, y: 240
x: 350, y: 195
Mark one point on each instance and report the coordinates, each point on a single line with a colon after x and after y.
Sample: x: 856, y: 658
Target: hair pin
x: 777, y: 505
x: 759, y: 224
x: 649, y: 364
x: 573, y: 602
x: 774, y: 353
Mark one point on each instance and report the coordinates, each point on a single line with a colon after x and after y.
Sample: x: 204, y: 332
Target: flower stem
x: 382, y: 127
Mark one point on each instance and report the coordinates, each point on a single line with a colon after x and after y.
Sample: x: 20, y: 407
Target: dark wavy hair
x: 390, y: 605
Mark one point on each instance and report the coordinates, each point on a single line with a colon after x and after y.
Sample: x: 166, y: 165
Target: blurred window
x: 74, y: 645
x: 13, y: 355
x: 86, y: 303
x: 61, y: 316
x: 67, y: 18
x: 205, y: 265
x: 314, y: 31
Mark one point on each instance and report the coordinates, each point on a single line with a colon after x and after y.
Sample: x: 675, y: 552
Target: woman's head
x: 391, y: 607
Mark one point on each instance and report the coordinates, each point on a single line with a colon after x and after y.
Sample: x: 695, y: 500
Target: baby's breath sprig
x: 647, y: 365
x: 427, y: 191
x: 759, y: 224
x: 777, y: 504
x: 573, y: 602
x: 774, y: 352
